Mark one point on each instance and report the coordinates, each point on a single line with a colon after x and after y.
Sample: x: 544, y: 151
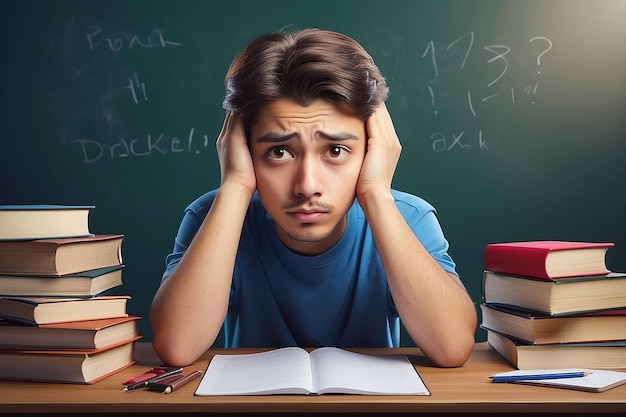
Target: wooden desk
x: 459, y: 391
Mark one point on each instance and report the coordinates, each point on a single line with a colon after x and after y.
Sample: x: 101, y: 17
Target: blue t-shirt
x: 338, y: 298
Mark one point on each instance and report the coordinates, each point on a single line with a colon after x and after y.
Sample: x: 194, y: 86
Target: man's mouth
x: 307, y: 216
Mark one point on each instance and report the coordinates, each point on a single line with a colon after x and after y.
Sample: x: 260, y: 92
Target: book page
x: 279, y: 371
x: 340, y: 371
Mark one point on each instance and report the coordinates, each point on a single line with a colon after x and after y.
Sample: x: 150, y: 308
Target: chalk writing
x: 470, y: 45
x: 432, y: 96
x: 548, y: 47
x: 496, y: 60
x: 433, y: 56
x: 93, y: 150
x: 117, y: 43
x: 430, y: 49
x: 473, y: 75
x: 134, y: 82
x: 442, y: 143
x: 469, y: 102
x: 161, y: 144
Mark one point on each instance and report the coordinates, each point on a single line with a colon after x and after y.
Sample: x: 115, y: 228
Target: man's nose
x: 307, y: 179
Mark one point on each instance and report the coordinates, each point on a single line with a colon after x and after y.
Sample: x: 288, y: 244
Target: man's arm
x: 433, y: 304
x: 190, y: 305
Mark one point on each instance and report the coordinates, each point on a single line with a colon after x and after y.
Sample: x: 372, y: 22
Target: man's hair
x: 303, y: 66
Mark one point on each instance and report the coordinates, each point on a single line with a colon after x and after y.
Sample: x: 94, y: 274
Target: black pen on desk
x: 181, y: 381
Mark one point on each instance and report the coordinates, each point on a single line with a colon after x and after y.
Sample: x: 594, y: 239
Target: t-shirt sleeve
x: 192, y: 220
x: 421, y: 217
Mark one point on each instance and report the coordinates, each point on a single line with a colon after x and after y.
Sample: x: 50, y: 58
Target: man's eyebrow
x: 274, y: 137
x: 333, y: 137
x: 338, y: 137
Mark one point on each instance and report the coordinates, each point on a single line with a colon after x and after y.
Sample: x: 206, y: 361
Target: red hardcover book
x: 547, y: 258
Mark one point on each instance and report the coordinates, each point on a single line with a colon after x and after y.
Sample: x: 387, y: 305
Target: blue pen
x: 534, y: 377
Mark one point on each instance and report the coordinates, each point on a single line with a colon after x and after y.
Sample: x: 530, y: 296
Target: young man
x: 305, y: 242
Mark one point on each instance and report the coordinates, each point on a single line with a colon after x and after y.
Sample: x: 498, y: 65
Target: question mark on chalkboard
x: 543, y: 38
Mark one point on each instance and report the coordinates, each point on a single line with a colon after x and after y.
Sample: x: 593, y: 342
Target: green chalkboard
x: 512, y: 114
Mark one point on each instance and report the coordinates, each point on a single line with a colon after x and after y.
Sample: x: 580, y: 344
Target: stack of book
x: 59, y: 318
x: 554, y: 304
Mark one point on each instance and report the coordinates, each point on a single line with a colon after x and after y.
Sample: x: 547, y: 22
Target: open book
x: 292, y: 370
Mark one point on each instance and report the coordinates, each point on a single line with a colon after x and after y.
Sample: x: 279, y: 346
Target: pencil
x: 181, y: 381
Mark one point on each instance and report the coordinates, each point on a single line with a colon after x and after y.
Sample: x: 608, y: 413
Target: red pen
x: 144, y: 377
x: 154, y: 374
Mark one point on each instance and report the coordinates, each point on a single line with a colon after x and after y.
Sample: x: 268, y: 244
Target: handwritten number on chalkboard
x: 469, y: 34
x: 455, y: 57
x: 431, y: 48
x: 498, y: 56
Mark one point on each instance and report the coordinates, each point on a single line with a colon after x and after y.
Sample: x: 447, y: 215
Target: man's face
x: 307, y: 162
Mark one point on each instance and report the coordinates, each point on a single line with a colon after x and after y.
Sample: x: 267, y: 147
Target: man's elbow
x: 169, y: 344
x: 454, y: 355
x: 172, y: 353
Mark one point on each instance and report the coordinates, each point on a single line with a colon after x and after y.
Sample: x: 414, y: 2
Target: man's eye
x: 337, y: 152
x: 278, y: 152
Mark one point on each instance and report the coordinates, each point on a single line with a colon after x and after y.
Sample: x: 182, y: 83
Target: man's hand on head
x: 234, y: 156
x: 381, y: 158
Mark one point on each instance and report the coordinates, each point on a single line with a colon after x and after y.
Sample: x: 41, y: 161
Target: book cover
x: 60, y: 256
x: 601, y: 355
x: 83, y: 284
x: 559, y: 296
x: 538, y: 328
x: 80, y: 367
x: 46, y: 310
x: 547, y: 259
x: 83, y: 335
x: 41, y: 221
